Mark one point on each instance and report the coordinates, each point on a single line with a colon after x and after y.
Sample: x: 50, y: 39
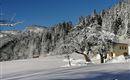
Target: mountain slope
x: 112, y: 24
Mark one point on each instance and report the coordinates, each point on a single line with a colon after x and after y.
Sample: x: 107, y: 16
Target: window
x: 120, y: 47
x: 125, y: 48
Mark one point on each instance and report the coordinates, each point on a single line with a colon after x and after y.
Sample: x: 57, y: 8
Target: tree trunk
x: 85, y: 56
x: 102, y: 58
x: 69, y: 60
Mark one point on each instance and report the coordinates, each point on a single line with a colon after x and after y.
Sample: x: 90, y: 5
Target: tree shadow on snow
x: 99, y: 76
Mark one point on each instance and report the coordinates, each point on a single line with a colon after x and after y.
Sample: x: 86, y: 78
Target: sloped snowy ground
x: 32, y: 64
x: 49, y: 68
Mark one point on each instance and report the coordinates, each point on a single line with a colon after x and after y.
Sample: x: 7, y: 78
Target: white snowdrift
x: 75, y: 62
x: 95, y: 60
x: 118, y: 59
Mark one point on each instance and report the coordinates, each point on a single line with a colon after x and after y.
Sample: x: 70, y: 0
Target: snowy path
x: 120, y: 71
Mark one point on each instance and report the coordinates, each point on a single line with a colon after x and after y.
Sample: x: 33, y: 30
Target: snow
x: 96, y: 59
x: 119, y: 59
x: 4, y: 33
x: 32, y: 64
x: 49, y: 68
x: 78, y: 62
x: 10, y: 32
x: 35, y: 29
x: 90, y: 72
x: 1, y: 35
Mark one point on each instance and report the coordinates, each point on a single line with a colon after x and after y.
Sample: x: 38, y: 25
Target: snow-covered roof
x: 120, y: 43
x: 127, y: 41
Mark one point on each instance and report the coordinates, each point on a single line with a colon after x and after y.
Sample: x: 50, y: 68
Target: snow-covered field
x: 51, y: 68
x: 32, y: 64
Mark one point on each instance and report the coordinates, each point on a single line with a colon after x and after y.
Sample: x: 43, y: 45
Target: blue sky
x: 50, y: 12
